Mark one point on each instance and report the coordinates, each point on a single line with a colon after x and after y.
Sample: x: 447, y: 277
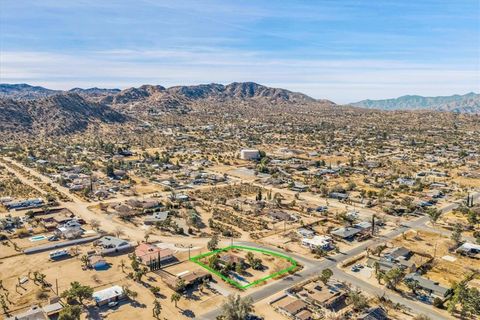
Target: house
x: 24, y: 204
x: 281, y: 216
x: 71, y: 229
x: 97, y: 262
x: 398, y: 253
x: 112, y: 245
x: 469, y: 249
x: 305, y: 233
x: 338, y: 195
x: 375, y: 313
x: 249, y: 154
x: 324, y: 242
x: 346, y: 233
x: 291, y: 309
x: 431, y: 287
x: 108, y: 295
x: 151, y: 255
x: 231, y: 259
x: 189, y: 278
x: 349, y: 233
x: 329, y: 297
x: 34, y: 313
x: 156, y: 217
x: 299, y: 187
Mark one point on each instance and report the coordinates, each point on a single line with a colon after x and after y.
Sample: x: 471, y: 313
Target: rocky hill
x: 25, y: 108
x: 24, y: 91
x: 468, y: 103
x: 56, y: 114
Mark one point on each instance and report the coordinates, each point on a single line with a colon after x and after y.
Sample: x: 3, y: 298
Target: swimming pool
x: 38, y: 238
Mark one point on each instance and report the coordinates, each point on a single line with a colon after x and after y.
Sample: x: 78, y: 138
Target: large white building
x: 249, y: 154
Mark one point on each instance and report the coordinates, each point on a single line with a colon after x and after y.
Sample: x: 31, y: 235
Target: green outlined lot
x: 196, y: 259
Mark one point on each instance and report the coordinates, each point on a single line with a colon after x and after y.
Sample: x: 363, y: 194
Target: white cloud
x: 339, y: 80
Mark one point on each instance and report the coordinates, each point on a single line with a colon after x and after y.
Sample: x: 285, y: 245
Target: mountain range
x: 468, y: 103
x: 34, y: 110
x: 37, y: 110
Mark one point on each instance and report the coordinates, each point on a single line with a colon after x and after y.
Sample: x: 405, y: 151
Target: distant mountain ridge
x: 57, y: 114
x: 32, y: 109
x: 235, y: 90
x: 467, y: 103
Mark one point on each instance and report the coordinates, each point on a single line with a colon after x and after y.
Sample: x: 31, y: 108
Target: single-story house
x: 34, y: 313
x: 431, y: 287
x: 111, y: 245
x: 231, y: 259
x: 375, y: 313
x: 149, y: 254
x: 108, y: 295
x: 306, y: 233
x: 293, y: 308
x: 338, y: 195
x: 156, y: 217
x: 325, y: 242
x: 469, y: 249
x: 281, y: 216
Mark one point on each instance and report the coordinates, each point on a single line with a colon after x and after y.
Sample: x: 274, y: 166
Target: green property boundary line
x: 196, y: 259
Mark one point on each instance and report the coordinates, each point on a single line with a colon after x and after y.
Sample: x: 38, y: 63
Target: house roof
x: 34, y: 313
x: 294, y: 307
x: 399, y: 252
x: 345, y: 232
x: 304, y: 315
x: 147, y: 252
x: 427, y: 284
x: 375, y: 313
x: 107, y: 293
x: 111, y: 242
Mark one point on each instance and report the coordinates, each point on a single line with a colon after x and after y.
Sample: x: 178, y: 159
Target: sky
x: 342, y: 50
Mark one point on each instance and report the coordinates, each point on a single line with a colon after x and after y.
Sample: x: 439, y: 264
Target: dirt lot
x: 443, y: 271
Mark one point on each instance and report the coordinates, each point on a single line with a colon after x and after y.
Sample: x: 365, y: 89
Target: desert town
x: 352, y: 223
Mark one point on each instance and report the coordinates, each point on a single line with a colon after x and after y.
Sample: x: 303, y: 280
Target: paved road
x: 314, y: 267
x: 311, y: 267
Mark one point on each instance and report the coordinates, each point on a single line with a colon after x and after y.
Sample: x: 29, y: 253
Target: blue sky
x: 343, y: 50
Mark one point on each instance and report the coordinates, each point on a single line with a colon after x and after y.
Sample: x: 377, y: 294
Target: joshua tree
x: 213, y: 243
x: 175, y: 298
x: 237, y: 308
x: 326, y: 275
x: 434, y: 214
x: 157, y: 309
x: 85, y: 260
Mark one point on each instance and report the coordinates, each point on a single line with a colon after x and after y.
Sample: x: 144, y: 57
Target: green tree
x: 413, y: 285
x: 213, y: 243
x: 70, y: 312
x: 326, y: 275
x: 78, y: 292
x: 393, y: 277
x: 237, y: 308
x: 357, y: 300
x: 434, y: 214
x: 157, y: 309
x: 457, y: 234
x: 175, y: 297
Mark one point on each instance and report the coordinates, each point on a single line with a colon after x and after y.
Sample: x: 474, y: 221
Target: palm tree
x: 175, y: 298
x: 237, y: 308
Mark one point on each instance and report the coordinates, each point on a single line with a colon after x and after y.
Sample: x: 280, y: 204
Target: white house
x: 249, y: 154
x: 324, y: 242
x: 108, y: 295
